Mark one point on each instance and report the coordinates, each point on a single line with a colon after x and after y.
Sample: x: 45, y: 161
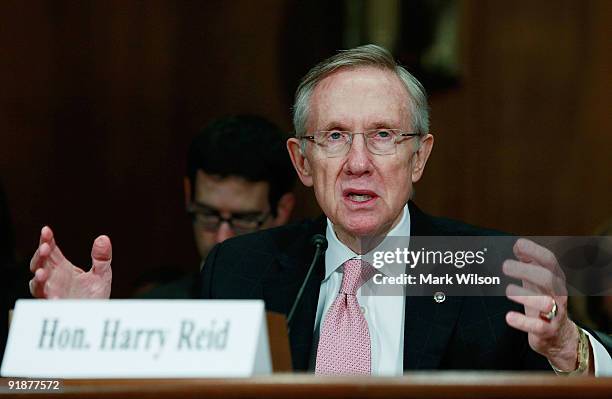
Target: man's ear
x: 187, y: 191
x: 284, y: 209
x: 420, y: 156
x: 300, y: 163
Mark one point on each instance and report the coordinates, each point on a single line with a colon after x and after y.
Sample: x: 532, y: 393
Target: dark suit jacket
x: 460, y: 333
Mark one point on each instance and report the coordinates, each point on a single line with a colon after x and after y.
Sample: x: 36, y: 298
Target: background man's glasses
x: 336, y: 143
x: 210, y: 219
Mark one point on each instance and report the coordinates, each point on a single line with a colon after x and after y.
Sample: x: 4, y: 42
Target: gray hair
x: 368, y: 55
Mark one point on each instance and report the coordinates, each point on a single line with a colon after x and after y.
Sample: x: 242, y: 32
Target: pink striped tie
x: 344, y: 342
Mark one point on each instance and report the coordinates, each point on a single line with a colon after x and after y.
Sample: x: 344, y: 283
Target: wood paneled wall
x: 525, y: 144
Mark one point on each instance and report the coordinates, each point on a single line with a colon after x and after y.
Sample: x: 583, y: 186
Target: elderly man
x: 362, y: 141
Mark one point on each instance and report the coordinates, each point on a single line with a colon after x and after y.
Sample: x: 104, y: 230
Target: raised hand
x: 56, y: 277
x: 544, y: 295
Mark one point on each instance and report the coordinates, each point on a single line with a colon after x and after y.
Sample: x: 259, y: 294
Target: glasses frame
x: 399, y: 136
x: 192, y: 211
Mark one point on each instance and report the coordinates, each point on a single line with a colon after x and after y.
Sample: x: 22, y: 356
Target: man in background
x: 239, y: 180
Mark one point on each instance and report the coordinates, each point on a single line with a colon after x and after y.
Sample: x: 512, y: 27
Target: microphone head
x: 319, y: 240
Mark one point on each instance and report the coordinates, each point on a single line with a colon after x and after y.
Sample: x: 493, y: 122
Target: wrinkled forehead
x: 359, y: 98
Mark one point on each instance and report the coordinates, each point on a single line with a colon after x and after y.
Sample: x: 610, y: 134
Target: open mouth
x: 359, y: 196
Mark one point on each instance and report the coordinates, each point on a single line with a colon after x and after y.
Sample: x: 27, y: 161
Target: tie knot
x: 356, y: 273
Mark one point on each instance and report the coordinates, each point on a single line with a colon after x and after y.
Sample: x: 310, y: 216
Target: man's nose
x: 225, y: 231
x: 358, y: 158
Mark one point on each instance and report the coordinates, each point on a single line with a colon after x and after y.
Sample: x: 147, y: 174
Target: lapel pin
x: 439, y: 297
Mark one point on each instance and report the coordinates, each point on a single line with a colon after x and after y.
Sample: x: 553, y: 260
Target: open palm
x: 56, y: 277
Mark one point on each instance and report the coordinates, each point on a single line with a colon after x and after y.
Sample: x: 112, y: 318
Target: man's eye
x: 205, y: 216
x: 383, y: 134
x: 247, y: 219
x: 334, y: 136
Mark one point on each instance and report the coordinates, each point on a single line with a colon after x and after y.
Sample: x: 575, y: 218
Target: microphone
x: 320, y: 243
x: 319, y: 240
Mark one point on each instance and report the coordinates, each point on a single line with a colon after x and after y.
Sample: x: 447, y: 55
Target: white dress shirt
x: 385, y: 314
x: 601, y: 358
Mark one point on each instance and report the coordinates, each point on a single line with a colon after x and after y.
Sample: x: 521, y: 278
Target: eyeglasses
x: 336, y: 143
x: 210, y: 219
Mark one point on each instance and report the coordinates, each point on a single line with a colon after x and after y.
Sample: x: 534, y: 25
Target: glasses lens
x: 249, y: 223
x: 381, y: 141
x: 245, y: 224
x: 333, y: 143
x: 207, y: 222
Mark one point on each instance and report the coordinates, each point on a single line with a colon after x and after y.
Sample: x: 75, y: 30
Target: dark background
x: 100, y: 99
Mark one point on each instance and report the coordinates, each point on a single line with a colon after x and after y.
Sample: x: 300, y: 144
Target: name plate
x: 137, y: 339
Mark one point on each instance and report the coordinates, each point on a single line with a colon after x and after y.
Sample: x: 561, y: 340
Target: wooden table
x: 295, y: 386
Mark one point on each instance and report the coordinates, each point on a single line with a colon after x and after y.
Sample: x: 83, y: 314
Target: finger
x: 45, y: 252
x: 535, y: 274
x: 37, y: 283
x: 528, y: 251
x: 46, y: 257
x: 35, y: 262
x: 41, y: 276
x: 101, y: 255
x: 34, y: 289
x: 529, y: 272
x: 526, y: 297
x: 531, y: 325
x: 46, y: 235
x: 47, y: 239
x: 41, y: 256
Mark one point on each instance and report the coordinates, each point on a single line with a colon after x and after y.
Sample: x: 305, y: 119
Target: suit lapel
x: 428, y: 325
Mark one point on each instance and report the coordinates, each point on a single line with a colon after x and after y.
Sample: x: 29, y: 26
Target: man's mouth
x: 359, y: 196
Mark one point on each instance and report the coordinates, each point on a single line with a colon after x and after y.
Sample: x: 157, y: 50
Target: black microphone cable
x: 320, y: 243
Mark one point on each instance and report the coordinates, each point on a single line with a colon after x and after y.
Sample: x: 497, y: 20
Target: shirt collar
x: 337, y: 253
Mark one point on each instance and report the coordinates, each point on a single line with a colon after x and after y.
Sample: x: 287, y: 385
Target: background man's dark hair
x: 244, y: 146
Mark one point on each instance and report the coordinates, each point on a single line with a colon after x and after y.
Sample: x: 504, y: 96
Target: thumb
x: 101, y: 255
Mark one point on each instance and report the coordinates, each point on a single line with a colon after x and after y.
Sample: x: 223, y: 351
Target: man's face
x: 229, y: 197
x: 361, y: 193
